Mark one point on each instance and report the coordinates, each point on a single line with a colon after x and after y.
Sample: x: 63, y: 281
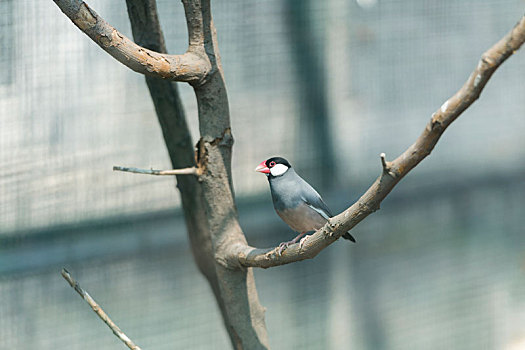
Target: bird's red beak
x: 262, y: 168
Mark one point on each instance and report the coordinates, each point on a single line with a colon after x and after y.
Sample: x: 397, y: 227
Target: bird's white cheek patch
x: 278, y: 169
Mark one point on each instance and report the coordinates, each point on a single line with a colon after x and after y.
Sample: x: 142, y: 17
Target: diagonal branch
x: 393, y: 171
x: 98, y: 310
x: 184, y: 171
x: 192, y: 66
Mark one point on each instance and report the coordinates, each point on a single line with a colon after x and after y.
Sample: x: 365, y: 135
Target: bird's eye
x: 272, y: 163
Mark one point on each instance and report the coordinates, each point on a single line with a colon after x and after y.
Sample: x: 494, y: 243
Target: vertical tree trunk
x: 209, y: 207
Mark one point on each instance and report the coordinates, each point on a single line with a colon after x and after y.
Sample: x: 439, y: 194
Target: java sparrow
x: 294, y: 200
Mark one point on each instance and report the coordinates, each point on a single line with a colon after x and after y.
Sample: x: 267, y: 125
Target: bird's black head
x: 271, y: 162
x: 275, y: 166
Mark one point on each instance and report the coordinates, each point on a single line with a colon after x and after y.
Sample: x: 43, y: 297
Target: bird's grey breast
x: 286, y: 190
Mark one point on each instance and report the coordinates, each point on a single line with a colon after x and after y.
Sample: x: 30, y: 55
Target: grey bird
x: 294, y: 200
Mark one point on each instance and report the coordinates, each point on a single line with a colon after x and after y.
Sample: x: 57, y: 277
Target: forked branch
x: 393, y: 171
x: 98, y: 310
x: 192, y: 66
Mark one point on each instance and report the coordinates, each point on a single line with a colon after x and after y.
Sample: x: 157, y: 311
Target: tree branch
x: 192, y: 66
x: 393, y: 171
x: 98, y: 310
x: 195, y: 22
x: 185, y: 171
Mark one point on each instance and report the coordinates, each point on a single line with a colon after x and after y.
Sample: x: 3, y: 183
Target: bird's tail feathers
x: 348, y: 236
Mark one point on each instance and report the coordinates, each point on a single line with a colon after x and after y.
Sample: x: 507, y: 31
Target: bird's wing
x: 322, y: 212
x: 314, y: 201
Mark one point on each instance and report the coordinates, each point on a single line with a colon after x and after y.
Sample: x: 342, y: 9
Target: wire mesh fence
x: 70, y: 112
x: 445, y: 274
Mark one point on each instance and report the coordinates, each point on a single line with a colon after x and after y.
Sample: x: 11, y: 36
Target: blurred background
x: 327, y: 84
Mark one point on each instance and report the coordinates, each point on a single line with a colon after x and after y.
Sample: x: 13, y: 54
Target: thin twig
x: 384, y: 162
x: 386, y: 165
x: 98, y: 310
x: 185, y: 171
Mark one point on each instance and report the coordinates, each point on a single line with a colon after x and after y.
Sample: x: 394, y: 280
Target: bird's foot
x: 282, y: 247
x: 301, y: 242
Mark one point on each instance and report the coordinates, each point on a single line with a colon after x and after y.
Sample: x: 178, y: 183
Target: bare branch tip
x: 99, y: 311
x: 387, y: 168
x: 383, y: 161
x: 67, y: 276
